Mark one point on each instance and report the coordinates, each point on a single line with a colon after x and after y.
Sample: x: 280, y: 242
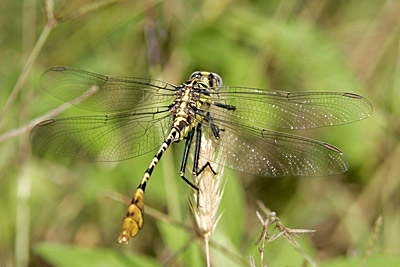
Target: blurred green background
x: 56, y: 211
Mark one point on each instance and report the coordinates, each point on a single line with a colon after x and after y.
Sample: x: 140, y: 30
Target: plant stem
x: 27, y: 68
x: 207, y: 251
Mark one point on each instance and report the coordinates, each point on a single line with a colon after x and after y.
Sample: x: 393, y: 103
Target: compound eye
x: 195, y: 75
x: 217, y: 79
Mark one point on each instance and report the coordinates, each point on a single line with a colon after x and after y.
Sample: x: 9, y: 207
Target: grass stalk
x: 26, y: 70
x: 372, y: 240
x: 52, y: 21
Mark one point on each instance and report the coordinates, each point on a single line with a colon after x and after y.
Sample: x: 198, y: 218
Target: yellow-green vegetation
x: 67, y: 212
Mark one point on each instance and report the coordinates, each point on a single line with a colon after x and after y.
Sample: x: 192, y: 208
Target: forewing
x: 104, y: 93
x: 280, y: 109
x: 101, y: 138
x: 261, y: 152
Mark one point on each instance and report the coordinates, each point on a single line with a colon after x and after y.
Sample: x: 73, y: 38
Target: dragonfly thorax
x: 192, y: 102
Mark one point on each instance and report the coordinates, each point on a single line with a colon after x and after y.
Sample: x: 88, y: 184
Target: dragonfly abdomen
x: 133, y: 220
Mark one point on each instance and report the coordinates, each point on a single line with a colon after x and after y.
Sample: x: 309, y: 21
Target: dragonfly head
x: 211, y: 79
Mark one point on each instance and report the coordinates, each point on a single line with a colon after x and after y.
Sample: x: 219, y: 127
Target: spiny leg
x: 228, y: 107
x: 133, y: 220
x: 196, y: 158
x: 197, y: 148
x: 208, y: 164
x: 215, y: 132
x: 188, y: 143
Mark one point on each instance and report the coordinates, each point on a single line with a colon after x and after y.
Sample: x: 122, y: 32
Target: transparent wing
x: 104, y: 93
x: 102, y: 138
x: 280, y: 109
x: 261, y: 152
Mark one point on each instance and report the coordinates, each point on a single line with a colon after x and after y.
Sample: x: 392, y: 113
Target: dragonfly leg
x: 208, y: 164
x: 214, y: 128
x: 228, y: 107
x: 197, y: 149
x: 185, y: 157
x: 133, y: 220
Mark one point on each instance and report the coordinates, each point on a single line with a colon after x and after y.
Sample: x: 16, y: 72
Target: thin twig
x: 372, y: 241
x: 149, y: 211
x: 173, y: 257
x: 27, y: 127
x: 52, y: 21
x: 233, y: 255
x: 266, y: 237
x: 90, y: 7
x: 15, y: 132
x: 22, y: 216
x: 27, y: 68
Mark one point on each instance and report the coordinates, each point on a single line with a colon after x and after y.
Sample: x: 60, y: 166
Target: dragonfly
x: 148, y: 114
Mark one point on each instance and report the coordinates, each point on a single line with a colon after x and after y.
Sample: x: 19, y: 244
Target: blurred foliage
x: 292, y: 45
x: 67, y: 255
